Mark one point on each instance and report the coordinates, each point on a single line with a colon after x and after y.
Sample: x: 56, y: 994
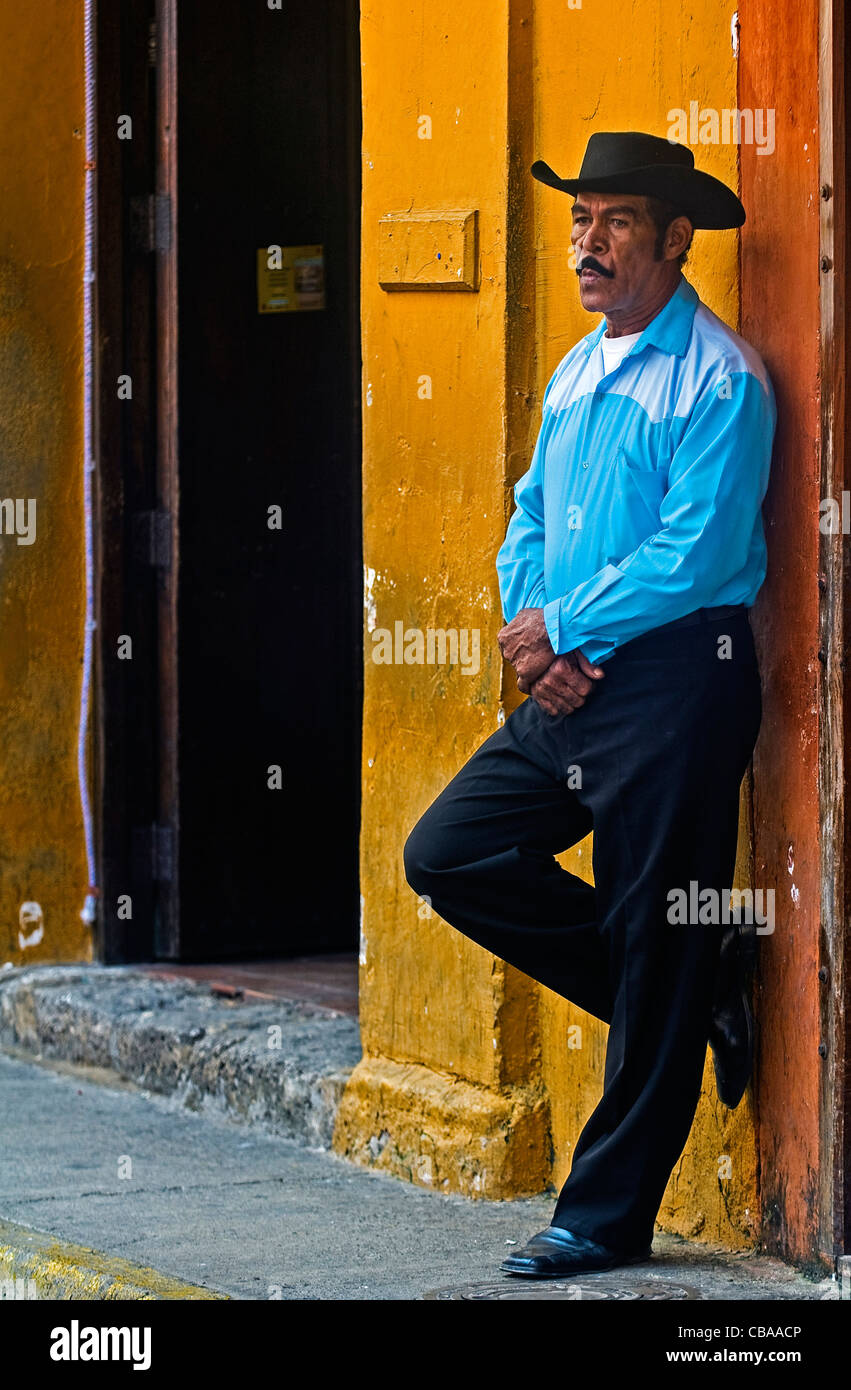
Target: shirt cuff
x: 552, y: 624
x: 596, y: 650
x: 563, y: 639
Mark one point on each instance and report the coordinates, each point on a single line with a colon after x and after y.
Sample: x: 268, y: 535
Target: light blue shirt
x: 642, y: 500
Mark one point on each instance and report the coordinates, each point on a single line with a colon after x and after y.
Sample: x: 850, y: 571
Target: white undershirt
x: 615, y: 350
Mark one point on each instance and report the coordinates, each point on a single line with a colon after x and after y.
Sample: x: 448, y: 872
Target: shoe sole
x: 746, y: 946
x: 592, y: 1269
x: 750, y: 1046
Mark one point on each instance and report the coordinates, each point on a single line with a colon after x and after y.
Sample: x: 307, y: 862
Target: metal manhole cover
x: 596, y: 1287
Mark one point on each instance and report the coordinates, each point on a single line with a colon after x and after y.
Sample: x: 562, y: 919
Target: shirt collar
x: 669, y: 331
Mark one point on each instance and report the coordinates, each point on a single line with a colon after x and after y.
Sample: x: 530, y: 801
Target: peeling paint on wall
x: 31, y: 925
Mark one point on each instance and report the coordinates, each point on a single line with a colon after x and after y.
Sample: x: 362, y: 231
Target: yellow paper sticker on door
x: 290, y: 278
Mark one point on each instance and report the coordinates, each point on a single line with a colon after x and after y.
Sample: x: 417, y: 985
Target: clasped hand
x: 559, y: 684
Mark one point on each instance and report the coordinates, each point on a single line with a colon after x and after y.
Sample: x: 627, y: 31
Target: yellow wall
x: 467, y: 1081
x: 444, y: 1027
x: 41, y: 585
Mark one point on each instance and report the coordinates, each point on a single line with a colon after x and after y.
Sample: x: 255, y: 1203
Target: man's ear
x: 678, y: 237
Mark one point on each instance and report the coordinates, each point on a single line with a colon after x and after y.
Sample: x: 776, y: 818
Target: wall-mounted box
x: 428, y: 251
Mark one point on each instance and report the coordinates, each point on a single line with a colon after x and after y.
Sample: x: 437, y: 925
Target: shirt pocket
x: 646, y: 485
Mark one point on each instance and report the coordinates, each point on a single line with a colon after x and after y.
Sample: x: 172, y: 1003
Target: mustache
x: 591, y: 264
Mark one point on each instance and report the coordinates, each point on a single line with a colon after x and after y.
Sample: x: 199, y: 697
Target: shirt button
x: 584, y: 463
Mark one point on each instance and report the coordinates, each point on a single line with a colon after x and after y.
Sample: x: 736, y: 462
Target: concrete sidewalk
x: 219, y: 1182
x: 206, y: 1202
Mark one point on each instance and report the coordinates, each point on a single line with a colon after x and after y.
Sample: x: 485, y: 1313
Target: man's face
x: 615, y: 233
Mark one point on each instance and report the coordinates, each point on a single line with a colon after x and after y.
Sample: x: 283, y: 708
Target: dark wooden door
x: 246, y: 636
x: 268, y: 617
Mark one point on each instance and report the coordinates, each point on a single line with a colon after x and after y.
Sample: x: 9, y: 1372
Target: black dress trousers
x: 652, y: 763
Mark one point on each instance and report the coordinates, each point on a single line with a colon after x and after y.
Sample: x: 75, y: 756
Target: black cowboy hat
x: 628, y: 161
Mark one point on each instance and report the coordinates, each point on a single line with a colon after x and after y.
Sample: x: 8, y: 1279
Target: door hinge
x: 153, y: 852
x: 152, y: 538
x: 150, y: 222
x: 153, y: 44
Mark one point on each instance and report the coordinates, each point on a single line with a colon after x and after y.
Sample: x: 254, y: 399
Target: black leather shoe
x: 731, y: 1033
x: 556, y: 1253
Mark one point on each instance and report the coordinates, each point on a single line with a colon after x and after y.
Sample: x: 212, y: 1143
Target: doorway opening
x: 229, y: 497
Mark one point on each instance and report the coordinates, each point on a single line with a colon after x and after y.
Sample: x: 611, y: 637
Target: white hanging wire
x: 88, y: 912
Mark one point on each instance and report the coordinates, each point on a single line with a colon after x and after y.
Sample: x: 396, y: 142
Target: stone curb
x: 280, y: 1064
x: 34, y: 1265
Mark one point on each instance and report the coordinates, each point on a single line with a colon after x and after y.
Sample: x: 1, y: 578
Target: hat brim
x: 706, y: 201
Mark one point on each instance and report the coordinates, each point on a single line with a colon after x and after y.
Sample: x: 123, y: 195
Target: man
x: 634, y: 552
